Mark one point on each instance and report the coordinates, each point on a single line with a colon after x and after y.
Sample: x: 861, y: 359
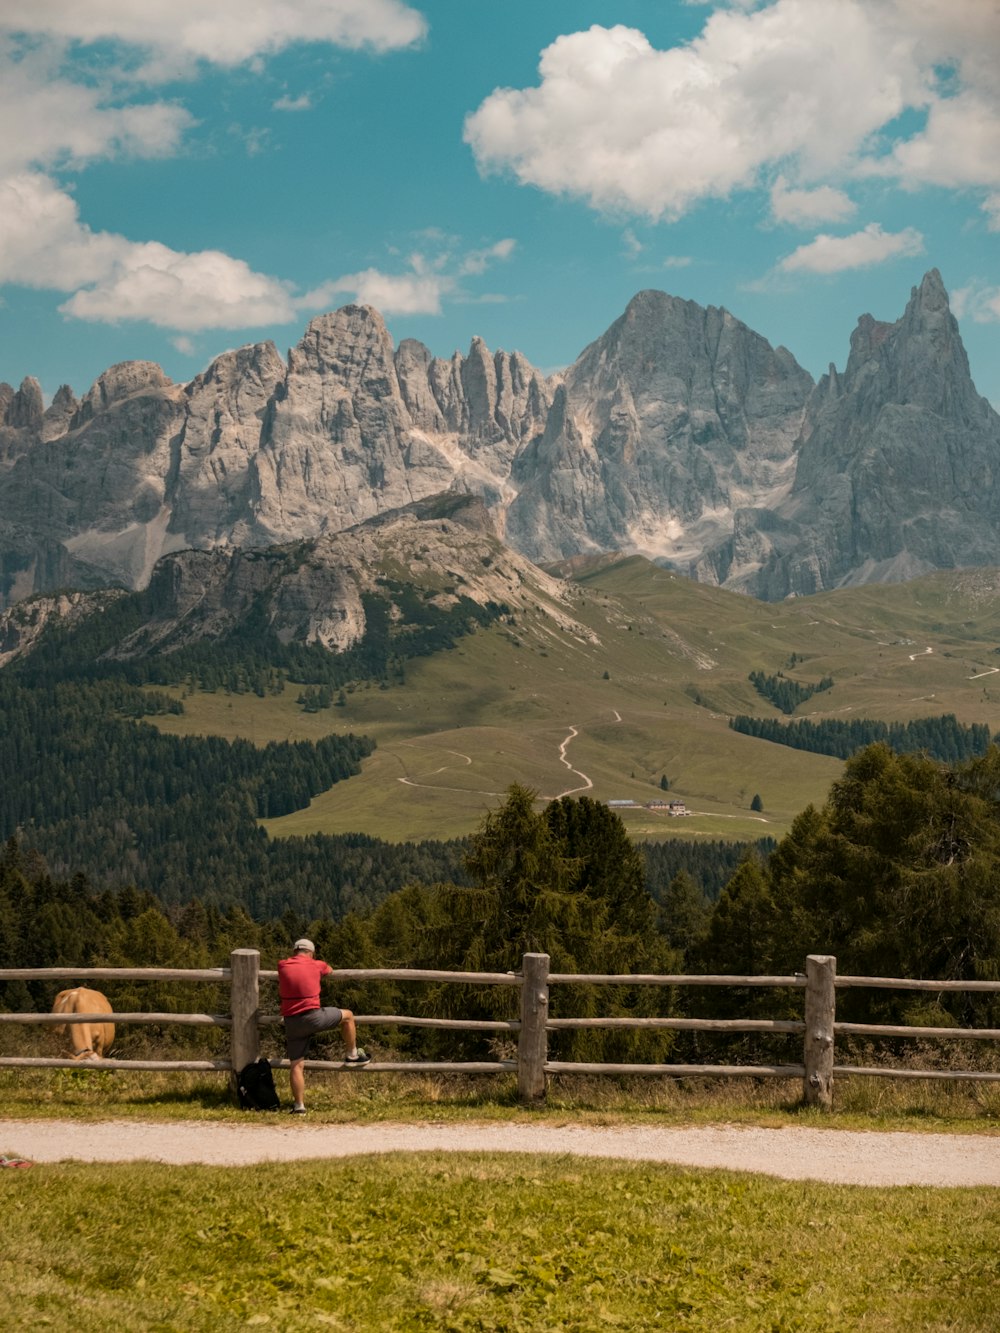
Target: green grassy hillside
x: 643, y: 687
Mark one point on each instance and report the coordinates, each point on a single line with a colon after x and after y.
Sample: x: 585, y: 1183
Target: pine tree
x: 521, y: 877
x: 684, y: 914
x: 740, y: 937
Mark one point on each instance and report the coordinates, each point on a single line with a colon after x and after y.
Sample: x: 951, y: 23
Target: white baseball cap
x: 305, y: 946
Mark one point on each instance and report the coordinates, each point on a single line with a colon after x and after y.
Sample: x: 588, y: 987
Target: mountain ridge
x: 679, y: 434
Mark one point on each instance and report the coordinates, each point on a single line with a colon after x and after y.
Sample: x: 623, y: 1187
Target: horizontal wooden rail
x: 877, y: 1071
x: 403, y: 1020
x: 909, y: 983
x: 683, y: 1024
x: 32, y: 1062
x: 223, y: 974
x: 645, y: 979
x: 412, y: 1066
x: 225, y: 1066
x: 883, y: 1030
x: 679, y: 1071
x: 56, y: 1020
x: 116, y: 973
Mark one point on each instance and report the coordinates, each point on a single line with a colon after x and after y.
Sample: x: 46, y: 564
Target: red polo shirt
x: 298, y: 983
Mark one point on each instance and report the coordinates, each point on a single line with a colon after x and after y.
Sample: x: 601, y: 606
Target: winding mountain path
x: 837, y: 1156
x: 587, y: 784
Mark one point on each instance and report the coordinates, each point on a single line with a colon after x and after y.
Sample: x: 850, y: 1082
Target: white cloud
x: 959, y: 147
x: 286, y: 103
x: 418, y: 292
x: 225, y: 32
x: 42, y: 241
x: 813, y: 88
x: 834, y: 254
x: 633, y: 246
x: 807, y: 207
x: 184, y: 344
x: 47, y: 119
x: 63, y: 106
x: 979, y: 301
x: 206, y: 290
x: 478, y: 261
x: 991, y: 207
x: 44, y: 244
x: 389, y: 293
x: 108, y: 278
x: 678, y: 261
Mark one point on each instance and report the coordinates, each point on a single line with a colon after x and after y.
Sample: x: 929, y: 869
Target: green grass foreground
x: 473, y: 1242
x: 371, y: 1098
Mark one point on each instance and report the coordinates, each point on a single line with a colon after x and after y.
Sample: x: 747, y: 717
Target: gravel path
x: 837, y: 1156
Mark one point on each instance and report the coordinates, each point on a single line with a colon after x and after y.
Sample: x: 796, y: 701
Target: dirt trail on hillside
x: 836, y: 1156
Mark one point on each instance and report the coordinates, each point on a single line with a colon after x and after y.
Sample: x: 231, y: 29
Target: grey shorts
x: 301, y: 1028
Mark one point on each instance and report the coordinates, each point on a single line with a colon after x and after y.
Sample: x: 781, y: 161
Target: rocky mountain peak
x: 899, y: 464
x: 919, y: 360
x: 118, y: 383
x: 351, y: 345
x: 931, y: 294
x: 258, y: 361
x: 59, y: 413
x: 25, y: 408
x: 671, y: 421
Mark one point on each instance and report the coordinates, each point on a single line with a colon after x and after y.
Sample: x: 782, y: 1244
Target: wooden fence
x: 817, y: 1029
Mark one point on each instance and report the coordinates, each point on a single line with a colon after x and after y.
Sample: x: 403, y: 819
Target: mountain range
x: 679, y: 434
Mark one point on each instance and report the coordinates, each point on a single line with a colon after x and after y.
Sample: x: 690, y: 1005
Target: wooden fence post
x: 821, y: 1012
x: 532, y: 1045
x: 244, y: 1006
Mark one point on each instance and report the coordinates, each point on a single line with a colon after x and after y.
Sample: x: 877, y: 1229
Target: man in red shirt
x: 299, y: 980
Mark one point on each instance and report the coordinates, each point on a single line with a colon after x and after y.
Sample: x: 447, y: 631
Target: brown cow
x: 88, y: 1041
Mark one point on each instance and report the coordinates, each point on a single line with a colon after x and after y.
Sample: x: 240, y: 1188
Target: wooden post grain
x: 821, y: 1012
x: 532, y: 1045
x: 244, y: 1046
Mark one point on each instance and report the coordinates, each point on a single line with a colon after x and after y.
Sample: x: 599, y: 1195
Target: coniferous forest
x: 943, y: 738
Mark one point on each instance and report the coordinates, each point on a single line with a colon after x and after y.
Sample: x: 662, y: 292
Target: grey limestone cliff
x: 253, y: 451
x: 680, y: 434
x: 665, y: 426
x: 898, y: 469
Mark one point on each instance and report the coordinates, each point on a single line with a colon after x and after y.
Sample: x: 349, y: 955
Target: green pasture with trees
x: 639, y: 693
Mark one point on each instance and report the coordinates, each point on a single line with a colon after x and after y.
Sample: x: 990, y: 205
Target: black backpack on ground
x: 255, y: 1085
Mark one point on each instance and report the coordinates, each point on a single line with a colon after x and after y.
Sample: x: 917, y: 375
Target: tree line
x: 784, y: 692
x: 943, y: 738
x: 66, y: 752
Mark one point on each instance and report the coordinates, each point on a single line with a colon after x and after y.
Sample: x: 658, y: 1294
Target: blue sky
x: 177, y: 178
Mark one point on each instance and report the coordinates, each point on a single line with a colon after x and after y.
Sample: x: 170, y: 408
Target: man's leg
x: 349, y: 1030
x: 297, y: 1079
x: 350, y: 1033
